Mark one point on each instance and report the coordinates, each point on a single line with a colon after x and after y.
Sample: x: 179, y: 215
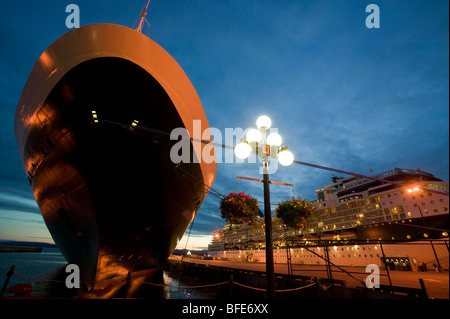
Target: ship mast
x: 143, y: 14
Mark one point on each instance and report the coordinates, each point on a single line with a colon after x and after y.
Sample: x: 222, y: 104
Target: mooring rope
x: 183, y: 287
x: 298, y: 288
x: 281, y: 290
x: 36, y: 278
x: 249, y: 287
x: 224, y: 283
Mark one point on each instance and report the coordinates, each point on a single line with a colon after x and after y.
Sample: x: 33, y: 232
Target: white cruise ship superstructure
x: 352, y: 208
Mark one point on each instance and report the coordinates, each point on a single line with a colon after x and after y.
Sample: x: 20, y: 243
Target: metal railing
x: 420, y: 265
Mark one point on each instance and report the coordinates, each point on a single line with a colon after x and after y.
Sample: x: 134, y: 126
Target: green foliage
x: 295, y: 213
x: 238, y: 208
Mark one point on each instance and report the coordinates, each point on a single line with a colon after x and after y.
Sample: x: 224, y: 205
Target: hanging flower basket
x: 295, y: 213
x: 238, y: 208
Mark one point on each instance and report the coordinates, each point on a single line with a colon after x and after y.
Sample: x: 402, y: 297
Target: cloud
x: 20, y: 225
x: 22, y: 220
x: 341, y: 95
x: 16, y: 201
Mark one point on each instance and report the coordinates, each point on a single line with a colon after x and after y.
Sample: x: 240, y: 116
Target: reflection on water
x: 37, y: 269
x: 175, y: 280
x: 45, y: 272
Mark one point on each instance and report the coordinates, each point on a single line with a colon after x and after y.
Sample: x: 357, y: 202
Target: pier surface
x: 436, y: 283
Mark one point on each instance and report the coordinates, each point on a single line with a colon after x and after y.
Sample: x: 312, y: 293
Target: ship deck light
x: 94, y: 116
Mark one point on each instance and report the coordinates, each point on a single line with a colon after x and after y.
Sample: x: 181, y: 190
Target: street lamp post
x: 270, y: 271
x: 265, y: 147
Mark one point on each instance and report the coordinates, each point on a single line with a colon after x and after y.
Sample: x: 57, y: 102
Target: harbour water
x: 33, y: 268
x: 43, y: 271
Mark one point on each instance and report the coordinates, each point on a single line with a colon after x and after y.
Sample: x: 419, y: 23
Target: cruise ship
x: 112, y: 199
x: 413, y: 208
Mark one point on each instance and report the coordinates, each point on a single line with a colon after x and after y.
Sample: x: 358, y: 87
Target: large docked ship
x: 413, y: 207
x: 112, y: 199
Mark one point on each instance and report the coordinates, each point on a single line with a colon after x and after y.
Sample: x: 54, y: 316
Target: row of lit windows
x: 395, y: 216
x: 371, y: 200
x: 325, y: 216
x: 346, y: 199
x: 422, y: 195
x: 394, y: 213
x: 432, y: 202
x: 376, y: 218
x: 355, y: 214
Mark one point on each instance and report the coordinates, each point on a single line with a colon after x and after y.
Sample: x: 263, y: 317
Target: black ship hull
x: 413, y: 229
x: 110, y: 195
x: 430, y: 227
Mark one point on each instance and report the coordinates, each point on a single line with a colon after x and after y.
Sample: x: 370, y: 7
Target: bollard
x: 8, y: 276
x: 127, y: 285
x: 231, y: 286
x: 422, y: 285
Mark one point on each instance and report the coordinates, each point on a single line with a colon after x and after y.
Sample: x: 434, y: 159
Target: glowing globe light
x: 285, y: 157
x: 242, y: 150
x: 274, y: 139
x: 263, y: 121
x: 254, y: 135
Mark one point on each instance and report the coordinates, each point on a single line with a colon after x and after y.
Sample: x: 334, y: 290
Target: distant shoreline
x: 15, y: 249
x: 24, y: 244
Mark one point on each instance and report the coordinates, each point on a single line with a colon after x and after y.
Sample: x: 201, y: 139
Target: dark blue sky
x: 341, y: 95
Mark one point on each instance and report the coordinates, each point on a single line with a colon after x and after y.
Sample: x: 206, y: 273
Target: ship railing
x: 384, y: 175
x: 403, y: 271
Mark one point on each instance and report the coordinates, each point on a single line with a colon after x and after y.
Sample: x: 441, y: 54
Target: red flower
x: 239, y: 208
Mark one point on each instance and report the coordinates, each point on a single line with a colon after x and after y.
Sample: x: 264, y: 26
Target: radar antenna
x: 143, y: 14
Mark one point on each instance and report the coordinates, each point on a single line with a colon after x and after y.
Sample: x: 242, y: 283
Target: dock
x: 349, y: 284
